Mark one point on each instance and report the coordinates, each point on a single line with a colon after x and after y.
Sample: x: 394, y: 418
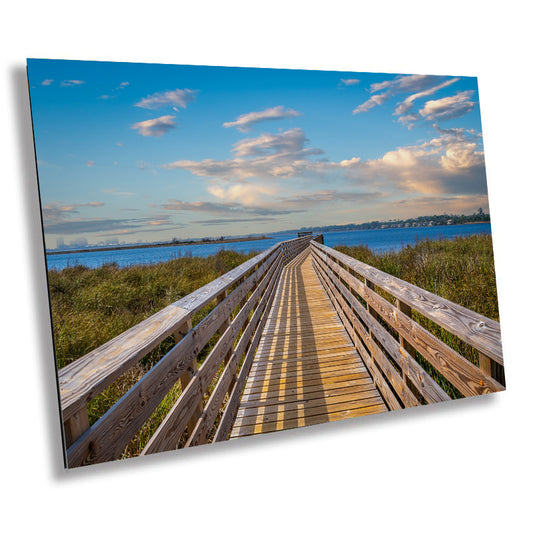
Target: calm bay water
x: 379, y: 240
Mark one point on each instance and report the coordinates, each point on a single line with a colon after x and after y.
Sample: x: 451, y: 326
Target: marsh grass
x: 92, y: 306
x: 460, y: 270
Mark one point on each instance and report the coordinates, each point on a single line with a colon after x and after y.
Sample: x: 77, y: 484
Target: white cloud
x: 373, y: 101
x: 90, y: 163
x: 449, y: 107
x: 246, y: 121
x: 245, y: 193
x: 401, y: 84
x: 71, y: 83
x: 46, y: 82
x: 282, y: 155
x: 155, y: 127
x: 287, y: 141
x: 405, y: 83
x: 407, y: 104
x: 176, y: 99
x: 351, y: 81
x: 449, y: 164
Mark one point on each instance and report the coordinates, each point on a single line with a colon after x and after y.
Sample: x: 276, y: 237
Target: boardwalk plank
x: 306, y: 369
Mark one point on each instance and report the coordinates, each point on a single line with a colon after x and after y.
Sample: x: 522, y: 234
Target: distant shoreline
x: 157, y: 245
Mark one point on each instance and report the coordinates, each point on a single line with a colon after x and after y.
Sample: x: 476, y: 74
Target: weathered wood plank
x: 384, y: 388
x: 170, y: 430
x: 224, y: 426
x: 304, y: 410
x: 244, y: 431
x: 424, y: 383
x: 294, y: 362
x: 464, y: 375
x: 475, y: 329
x: 228, y: 377
x: 108, y: 437
x: 83, y: 379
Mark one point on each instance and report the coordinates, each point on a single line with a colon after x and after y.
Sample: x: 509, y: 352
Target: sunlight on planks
x: 306, y: 370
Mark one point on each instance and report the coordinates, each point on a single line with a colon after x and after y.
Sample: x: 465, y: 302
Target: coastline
x: 155, y: 245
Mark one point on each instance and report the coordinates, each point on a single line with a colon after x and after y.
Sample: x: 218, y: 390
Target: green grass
x: 92, y: 306
x: 460, y: 270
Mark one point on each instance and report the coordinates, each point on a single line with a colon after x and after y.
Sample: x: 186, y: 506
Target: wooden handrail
x: 85, y: 378
x: 371, y: 320
x: 392, y: 344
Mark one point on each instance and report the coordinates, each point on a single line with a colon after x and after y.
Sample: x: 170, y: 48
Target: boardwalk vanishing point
x: 303, y: 334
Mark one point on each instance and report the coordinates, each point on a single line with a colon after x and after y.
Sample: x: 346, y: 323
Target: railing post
x: 491, y: 368
x: 188, y: 374
x: 76, y: 425
x: 409, y: 348
x: 225, y: 326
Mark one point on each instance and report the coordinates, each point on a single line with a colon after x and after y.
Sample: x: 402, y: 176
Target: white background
x: 463, y: 466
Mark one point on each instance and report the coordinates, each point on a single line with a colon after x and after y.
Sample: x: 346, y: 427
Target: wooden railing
x: 409, y: 364
x: 241, y: 299
x: 378, y: 311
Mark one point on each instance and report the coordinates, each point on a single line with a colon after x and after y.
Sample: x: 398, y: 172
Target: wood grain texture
x: 465, y: 376
x: 83, y: 379
x: 363, y: 321
x: 171, y: 429
x: 475, y: 329
x: 384, y: 388
x: 108, y: 437
x: 294, y: 379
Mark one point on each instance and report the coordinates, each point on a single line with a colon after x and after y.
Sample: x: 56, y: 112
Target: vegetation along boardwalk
x: 298, y: 335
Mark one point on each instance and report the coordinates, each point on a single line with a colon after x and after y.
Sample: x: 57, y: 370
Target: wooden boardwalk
x: 306, y: 370
x: 304, y: 335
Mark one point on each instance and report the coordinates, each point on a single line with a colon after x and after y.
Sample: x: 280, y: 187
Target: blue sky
x: 145, y: 152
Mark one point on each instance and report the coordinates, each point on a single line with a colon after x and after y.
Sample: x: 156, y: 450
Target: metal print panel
x: 236, y: 251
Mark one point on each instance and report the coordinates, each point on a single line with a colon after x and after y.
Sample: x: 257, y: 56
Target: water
x: 378, y: 240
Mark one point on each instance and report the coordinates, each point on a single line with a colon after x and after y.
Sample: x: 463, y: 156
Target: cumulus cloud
x: 429, y: 205
x: 449, y: 164
x: 449, y: 107
x: 246, y: 121
x: 71, y: 83
x: 245, y: 193
x: 176, y: 99
x: 281, y: 155
x: 155, y: 127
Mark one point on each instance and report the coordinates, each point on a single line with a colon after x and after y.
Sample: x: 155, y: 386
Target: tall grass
x: 460, y: 270
x: 92, y: 306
